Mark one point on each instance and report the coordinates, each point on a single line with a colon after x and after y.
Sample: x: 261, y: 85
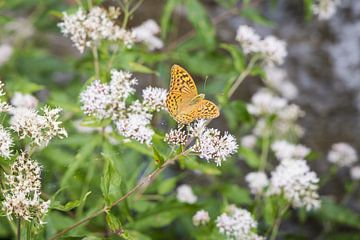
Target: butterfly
x: 183, y: 102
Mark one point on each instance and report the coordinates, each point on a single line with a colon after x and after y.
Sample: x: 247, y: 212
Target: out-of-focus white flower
x: 22, y: 192
x: 210, y: 145
x: 4, y: 107
x: 20, y: 100
x: 257, y: 182
x: 286, y: 150
x: 290, y: 113
x: 146, y: 33
x: 40, y: 128
x: 342, y: 154
x: 355, y: 173
x: 201, y: 217
x: 277, y: 79
x: 5, y: 143
x: 263, y: 102
x: 249, y: 40
x: 237, y: 223
x: 154, y: 98
x: 185, y: 194
x: 325, y: 9
x: 274, y: 50
x: 6, y: 51
x: 248, y: 141
x: 86, y: 29
x: 176, y: 137
x: 299, y: 185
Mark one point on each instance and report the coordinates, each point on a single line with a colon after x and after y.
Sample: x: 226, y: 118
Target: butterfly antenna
x: 204, y: 87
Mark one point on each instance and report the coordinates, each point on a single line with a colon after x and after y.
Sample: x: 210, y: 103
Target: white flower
x: 274, y: 50
x: 249, y: 40
x: 236, y: 224
x: 87, y: 29
x: 248, y: 141
x: 5, y: 143
x: 24, y: 100
x: 257, y: 182
x: 201, y: 217
x: 212, y: 146
x: 297, y: 183
x: 176, y: 137
x: 6, y: 51
x: 4, y: 107
x: 342, y: 154
x: 291, y: 113
x: 263, y: 102
x: 355, y: 173
x: 277, y: 79
x: 286, y: 150
x: 22, y: 192
x: 325, y: 9
x: 121, y: 84
x: 146, y: 33
x: 154, y: 98
x: 185, y: 194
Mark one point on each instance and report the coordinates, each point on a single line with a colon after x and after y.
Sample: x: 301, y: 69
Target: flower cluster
x: 325, y: 9
x: 297, y: 183
x: 103, y: 101
x: 285, y: 150
x: 342, y: 154
x: 237, y: 223
x: 5, y: 142
x: 248, y: 141
x: 146, y: 33
x: 20, y: 100
x: 257, y: 182
x: 355, y: 173
x: 89, y: 28
x: 201, y: 217
x: 185, y: 194
x: 271, y: 49
x: 3, y: 105
x: 22, y: 192
x: 277, y: 79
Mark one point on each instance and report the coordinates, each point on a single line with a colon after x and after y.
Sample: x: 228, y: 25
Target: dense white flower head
x: 5, y: 143
x: 248, y: 141
x: 298, y: 184
x: 342, y: 154
x: 355, y: 173
x: 285, y: 150
x: 325, y: 9
x: 249, y: 40
x: 22, y: 192
x: 277, y: 79
x: 237, y: 223
x: 6, y: 52
x: 146, y: 33
x: 185, y: 194
x: 264, y: 102
x: 122, y: 84
x: 257, y: 182
x: 154, y: 98
x: 201, y: 217
x: 40, y: 128
x: 86, y: 29
x: 176, y: 137
x: 20, y: 100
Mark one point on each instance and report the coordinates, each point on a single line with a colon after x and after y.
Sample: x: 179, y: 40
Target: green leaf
x: 166, y: 17
x: 203, y: 167
x: 198, y: 17
x: 254, y: 15
x: 167, y: 185
x: 308, y: 9
x: 251, y: 158
x: 236, y: 194
x: 330, y: 211
x: 237, y: 56
x: 158, y: 158
x: 137, y: 67
x: 23, y: 85
x: 114, y: 223
x: 70, y: 205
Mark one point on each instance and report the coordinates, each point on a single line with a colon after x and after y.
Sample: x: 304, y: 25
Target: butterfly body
x: 183, y: 102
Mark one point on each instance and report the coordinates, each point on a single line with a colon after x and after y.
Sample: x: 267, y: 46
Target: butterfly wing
x: 203, y: 109
x: 182, y: 91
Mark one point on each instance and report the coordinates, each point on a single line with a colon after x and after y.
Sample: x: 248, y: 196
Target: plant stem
x: 264, y: 151
x: 19, y: 229
x: 96, y: 62
x: 276, y: 225
x: 147, y: 180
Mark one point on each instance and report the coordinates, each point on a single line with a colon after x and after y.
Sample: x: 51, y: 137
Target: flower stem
x: 276, y: 225
x: 264, y: 151
x: 19, y: 229
x: 96, y: 62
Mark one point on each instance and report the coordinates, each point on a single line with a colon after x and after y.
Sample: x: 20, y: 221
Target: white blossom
x: 298, y: 184
x: 237, y: 223
x: 5, y: 143
x: 274, y: 50
x: 22, y: 192
x: 24, y: 100
x: 154, y: 98
x: 263, y: 102
x: 185, y: 194
x: 201, y: 217
x: 257, y: 182
x: 249, y: 40
x: 6, y: 52
x: 121, y: 84
x: 355, y: 173
x: 146, y: 33
x: 176, y: 137
x: 4, y: 107
x: 248, y: 141
x: 277, y: 79
x: 325, y: 9
x: 286, y: 150
x: 342, y: 154
x: 86, y: 29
